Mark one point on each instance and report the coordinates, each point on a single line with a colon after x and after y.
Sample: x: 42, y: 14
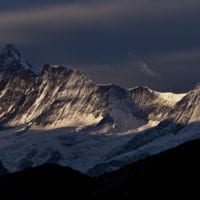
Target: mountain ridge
x: 61, y: 116
x: 54, y: 78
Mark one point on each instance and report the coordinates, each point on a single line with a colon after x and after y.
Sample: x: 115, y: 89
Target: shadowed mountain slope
x: 170, y: 173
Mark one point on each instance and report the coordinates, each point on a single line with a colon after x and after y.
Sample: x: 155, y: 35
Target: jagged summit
x: 8, y: 49
x: 61, y: 116
x: 61, y: 97
x: 11, y: 57
x: 142, y: 87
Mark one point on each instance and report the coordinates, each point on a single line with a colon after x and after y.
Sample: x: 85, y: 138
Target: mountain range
x: 60, y: 116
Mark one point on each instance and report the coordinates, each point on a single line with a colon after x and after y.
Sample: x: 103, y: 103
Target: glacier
x: 61, y: 116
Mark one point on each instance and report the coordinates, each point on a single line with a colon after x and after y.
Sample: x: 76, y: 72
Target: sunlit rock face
x: 156, y: 105
x: 60, y: 97
x: 61, y: 116
x: 17, y: 85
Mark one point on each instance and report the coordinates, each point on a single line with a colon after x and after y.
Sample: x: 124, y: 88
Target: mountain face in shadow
x: 3, y: 170
x: 60, y: 116
x: 60, y: 97
x: 170, y: 173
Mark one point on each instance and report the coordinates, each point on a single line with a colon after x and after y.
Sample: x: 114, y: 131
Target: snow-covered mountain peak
x: 62, y: 74
x: 61, y: 116
x: 60, y: 68
x: 170, y: 98
x: 8, y: 49
x: 11, y: 57
x: 142, y: 88
x: 54, y: 68
x: 196, y: 88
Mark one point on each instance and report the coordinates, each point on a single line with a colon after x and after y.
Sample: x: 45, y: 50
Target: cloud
x: 140, y: 65
x: 179, y: 56
x: 145, y: 68
x: 26, y: 24
x: 76, y: 33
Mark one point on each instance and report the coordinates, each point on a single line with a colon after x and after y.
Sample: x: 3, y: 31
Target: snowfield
x: 60, y: 116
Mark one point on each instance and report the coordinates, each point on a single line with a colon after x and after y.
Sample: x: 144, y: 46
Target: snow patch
x: 170, y: 98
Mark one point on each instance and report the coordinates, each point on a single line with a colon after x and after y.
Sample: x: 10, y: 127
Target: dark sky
x: 128, y: 42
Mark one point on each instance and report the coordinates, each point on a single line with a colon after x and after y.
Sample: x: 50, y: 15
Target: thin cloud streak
x: 107, y: 14
x: 179, y: 56
x: 96, y: 36
x: 145, y: 68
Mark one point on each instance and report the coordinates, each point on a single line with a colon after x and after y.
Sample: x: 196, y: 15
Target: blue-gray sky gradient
x: 130, y: 42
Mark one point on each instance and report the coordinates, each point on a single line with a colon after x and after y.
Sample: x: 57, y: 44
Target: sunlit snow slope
x: 61, y: 116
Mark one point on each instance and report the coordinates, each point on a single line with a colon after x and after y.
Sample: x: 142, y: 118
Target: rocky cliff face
x: 60, y: 97
x: 17, y: 85
x: 155, y: 105
x: 61, y: 116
